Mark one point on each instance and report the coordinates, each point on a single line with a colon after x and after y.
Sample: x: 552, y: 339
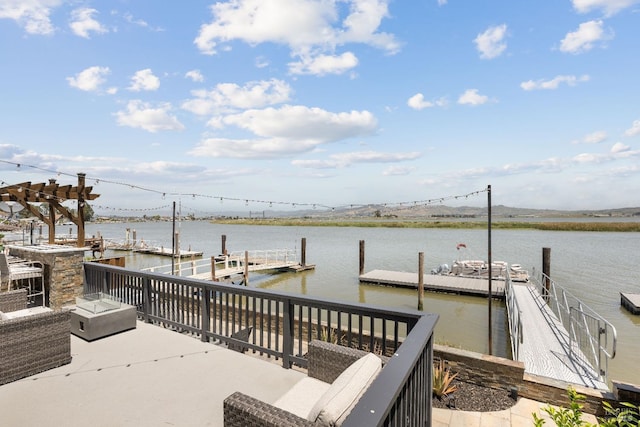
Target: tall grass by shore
x: 496, y: 225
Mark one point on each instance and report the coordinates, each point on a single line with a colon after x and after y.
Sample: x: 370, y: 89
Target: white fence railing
x: 257, y: 260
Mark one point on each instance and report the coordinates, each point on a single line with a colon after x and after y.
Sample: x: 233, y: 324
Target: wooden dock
x: 631, y: 302
x: 234, y: 271
x: 546, y: 347
x: 436, y: 283
x: 236, y: 263
x: 168, y: 252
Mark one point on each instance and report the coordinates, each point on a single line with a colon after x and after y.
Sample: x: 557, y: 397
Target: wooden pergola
x: 52, y: 194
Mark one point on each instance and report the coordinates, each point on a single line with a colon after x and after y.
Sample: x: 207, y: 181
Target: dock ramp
x: 556, y: 336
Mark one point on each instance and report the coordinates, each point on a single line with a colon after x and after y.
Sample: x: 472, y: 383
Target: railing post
x: 106, y: 283
x: 146, y: 299
x: 206, y: 314
x: 287, y: 334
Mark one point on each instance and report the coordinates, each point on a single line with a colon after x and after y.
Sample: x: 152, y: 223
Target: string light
x: 270, y: 203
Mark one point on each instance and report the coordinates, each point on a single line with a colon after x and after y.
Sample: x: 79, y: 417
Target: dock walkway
x: 546, y: 348
x: 436, y: 282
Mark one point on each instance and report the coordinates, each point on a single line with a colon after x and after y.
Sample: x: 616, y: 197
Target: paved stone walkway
x: 519, y: 415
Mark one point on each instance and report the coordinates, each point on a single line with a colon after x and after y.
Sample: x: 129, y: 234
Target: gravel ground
x: 471, y: 397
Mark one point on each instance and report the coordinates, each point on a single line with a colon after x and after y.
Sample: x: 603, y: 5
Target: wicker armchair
x: 326, y: 362
x: 31, y: 343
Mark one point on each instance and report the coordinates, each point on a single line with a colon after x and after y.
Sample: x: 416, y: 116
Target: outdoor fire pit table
x: 100, y: 315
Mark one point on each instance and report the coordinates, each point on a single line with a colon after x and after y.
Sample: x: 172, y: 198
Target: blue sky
x: 289, y: 103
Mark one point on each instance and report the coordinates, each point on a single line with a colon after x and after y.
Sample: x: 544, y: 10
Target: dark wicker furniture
x: 326, y: 362
x: 31, y: 344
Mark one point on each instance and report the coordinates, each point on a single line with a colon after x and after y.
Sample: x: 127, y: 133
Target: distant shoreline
x: 497, y: 225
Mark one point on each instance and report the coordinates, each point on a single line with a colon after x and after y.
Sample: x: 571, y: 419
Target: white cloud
x: 144, y: 80
x: 472, y: 97
x: 553, y: 83
x: 82, y: 22
x: 417, y: 102
x: 619, y: 147
x: 308, y: 28
x: 398, y: 170
x: 618, y: 151
x: 142, y: 115
x: 584, y: 38
x: 89, y: 79
x: 593, y: 138
x: 33, y: 15
x: 324, y: 64
x: 442, y: 2
x: 342, y: 160
x: 609, y: 7
x: 195, y: 75
x: 262, y: 62
x: 286, y: 131
x: 140, y: 22
x: 491, y: 43
x: 230, y: 96
x: 634, y: 129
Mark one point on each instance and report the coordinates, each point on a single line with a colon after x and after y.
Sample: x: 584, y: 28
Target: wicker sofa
x: 31, y: 340
x: 327, y: 364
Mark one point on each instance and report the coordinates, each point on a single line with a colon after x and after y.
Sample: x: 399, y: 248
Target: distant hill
x: 443, y: 211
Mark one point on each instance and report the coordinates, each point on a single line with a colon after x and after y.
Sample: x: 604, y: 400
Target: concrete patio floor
x: 148, y: 376
x: 151, y: 376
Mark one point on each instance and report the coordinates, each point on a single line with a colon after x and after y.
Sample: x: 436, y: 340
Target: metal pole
x: 420, y: 281
x: 173, y: 240
x: 489, y: 261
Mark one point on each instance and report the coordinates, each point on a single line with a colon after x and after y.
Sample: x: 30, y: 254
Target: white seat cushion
x: 26, y: 312
x: 299, y: 400
x: 336, y: 403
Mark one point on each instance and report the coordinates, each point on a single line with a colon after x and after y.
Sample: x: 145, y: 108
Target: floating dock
x: 436, y: 283
x: 631, y: 302
x: 168, y: 252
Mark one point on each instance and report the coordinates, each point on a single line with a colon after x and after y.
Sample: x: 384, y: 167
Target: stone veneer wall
x: 63, y: 273
x: 501, y: 373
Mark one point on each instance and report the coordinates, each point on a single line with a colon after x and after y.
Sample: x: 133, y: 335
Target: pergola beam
x: 52, y: 194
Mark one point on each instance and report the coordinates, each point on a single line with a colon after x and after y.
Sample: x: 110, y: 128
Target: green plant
x: 628, y: 415
x: 565, y: 417
x: 442, y: 379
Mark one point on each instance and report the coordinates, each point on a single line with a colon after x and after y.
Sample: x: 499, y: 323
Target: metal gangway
x: 233, y: 263
x: 556, y: 335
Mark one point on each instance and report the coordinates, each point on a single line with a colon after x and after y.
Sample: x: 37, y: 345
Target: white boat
x: 476, y: 268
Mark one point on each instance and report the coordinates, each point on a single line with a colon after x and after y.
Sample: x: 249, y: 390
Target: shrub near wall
x: 481, y: 369
x: 500, y: 373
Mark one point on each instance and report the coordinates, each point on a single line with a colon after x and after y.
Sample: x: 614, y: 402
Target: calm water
x: 593, y: 266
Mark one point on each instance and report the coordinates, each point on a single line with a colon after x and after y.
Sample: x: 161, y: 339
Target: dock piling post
x: 420, y: 280
x: 546, y: 272
x: 246, y: 268
x: 303, y: 252
x: 224, y: 244
x: 361, y: 257
x: 213, y: 268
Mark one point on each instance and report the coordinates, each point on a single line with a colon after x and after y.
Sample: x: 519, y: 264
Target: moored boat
x: 477, y: 268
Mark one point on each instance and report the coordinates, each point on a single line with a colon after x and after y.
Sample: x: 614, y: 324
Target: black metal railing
x: 280, y: 325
